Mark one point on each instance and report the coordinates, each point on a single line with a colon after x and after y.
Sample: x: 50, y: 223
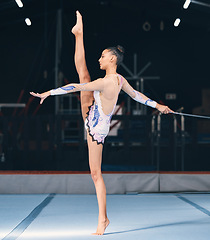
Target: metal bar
x: 144, y: 77
x: 183, y: 141
x: 5, y: 142
x: 175, y: 143
x: 158, y: 140
x: 128, y: 70
x: 12, y: 105
x: 152, y: 138
x: 144, y: 69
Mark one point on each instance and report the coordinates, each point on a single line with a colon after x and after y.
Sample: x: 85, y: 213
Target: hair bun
x: 120, y: 48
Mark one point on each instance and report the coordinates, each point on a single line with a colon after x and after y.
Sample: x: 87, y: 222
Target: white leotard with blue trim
x: 97, y: 122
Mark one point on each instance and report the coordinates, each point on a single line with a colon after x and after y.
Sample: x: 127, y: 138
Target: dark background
x: 33, y: 138
x: 179, y: 56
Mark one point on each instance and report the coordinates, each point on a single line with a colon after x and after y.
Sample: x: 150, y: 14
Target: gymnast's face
x: 107, y: 59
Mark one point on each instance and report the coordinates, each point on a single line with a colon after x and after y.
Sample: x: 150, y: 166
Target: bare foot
x: 101, y: 227
x: 78, y: 28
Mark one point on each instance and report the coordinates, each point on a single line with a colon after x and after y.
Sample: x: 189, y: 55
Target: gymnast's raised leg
x: 81, y: 67
x: 95, y: 150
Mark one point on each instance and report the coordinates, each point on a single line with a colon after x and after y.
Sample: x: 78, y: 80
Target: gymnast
x: 98, y: 101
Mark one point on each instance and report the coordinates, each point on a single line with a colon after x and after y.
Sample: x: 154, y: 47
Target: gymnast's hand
x: 163, y: 109
x: 43, y: 96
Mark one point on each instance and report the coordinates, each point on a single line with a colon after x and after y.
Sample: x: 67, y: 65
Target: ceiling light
x: 176, y: 23
x: 19, y: 3
x: 28, y: 21
x: 186, y: 4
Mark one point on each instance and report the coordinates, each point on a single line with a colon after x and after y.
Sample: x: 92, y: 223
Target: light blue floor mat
x: 143, y: 217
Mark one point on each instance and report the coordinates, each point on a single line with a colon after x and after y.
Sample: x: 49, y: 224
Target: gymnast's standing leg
x: 95, y: 150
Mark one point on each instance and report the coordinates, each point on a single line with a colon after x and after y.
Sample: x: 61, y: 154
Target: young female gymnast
x: 98, y: 100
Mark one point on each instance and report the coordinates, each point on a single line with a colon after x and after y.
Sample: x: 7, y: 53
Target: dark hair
x: 118, y: 52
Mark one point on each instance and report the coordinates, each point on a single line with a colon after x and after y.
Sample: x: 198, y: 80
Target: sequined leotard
x: 97, y: 122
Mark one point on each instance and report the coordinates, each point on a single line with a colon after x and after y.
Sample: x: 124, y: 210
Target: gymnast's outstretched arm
x: 141, y: 98
x: 97, y: 85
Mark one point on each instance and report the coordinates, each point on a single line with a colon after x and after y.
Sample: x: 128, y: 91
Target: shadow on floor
x: 161, y: 225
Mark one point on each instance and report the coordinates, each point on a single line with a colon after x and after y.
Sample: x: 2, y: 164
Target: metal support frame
x: 175, y: 143
x: 12, y: 105
x: 158, y: 140
x: 139, y: 81
x: 156, y: 143
x: 152, y: 139
x: 182, y: 142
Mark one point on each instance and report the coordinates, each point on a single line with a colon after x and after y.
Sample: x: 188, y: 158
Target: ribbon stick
x: 190, y: 115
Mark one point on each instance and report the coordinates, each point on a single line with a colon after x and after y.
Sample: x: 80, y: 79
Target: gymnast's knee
x: 96, y: 175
